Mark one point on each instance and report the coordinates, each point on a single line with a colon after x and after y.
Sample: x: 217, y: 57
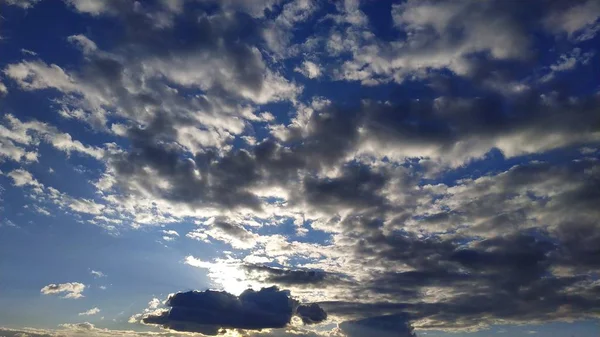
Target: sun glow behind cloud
x: 226, y: 274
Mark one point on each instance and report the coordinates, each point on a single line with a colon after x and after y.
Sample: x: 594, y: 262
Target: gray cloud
x: 290, y: 277
x: 396, y: 325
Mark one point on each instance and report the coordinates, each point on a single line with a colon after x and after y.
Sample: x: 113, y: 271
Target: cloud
x: 578, y: 20
x: 86, y: 206
x: 72, y: 290
x: 279, y: 33
x: 93, y: 7
x: 311, y: 314
x: 568, y: 62
x: 384, y: 326
x: 309, y: 69
x: 449, y: 197
x: 88, y: 46
x: 3, y: 89
x: 21, y: 177
x: 170, y: 232
x: 38, y: 75
x: 286, y: 277
x: 22, y: 3
x: 255, y: 8
x: 234, y: 234
x: 97, y: 273
x: 210, y: 311
x: 84, y: 329
x: 18, y: 135
x: 90, y: 312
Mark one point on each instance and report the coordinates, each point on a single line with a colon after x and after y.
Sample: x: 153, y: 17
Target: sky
x: 273, y: 168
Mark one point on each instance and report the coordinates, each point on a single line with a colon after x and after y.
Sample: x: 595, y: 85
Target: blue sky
x: 313, y: 168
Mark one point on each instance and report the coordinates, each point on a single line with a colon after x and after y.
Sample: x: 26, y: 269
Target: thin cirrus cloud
x: 334, y: 169
x: 90, y: 312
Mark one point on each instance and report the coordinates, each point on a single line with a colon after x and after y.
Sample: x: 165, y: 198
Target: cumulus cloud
x: 210, y: 311
x: 72, y: 290
x: 309, y: 69
x: 21, y: 177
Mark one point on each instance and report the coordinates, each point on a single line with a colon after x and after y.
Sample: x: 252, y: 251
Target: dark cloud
x: 357, y: 187
x: 210, y: 311
x: 311, y: 314
x: 386, y: 326
x: 294, y: 277
x: 442, y: 125
x: 506, y: 278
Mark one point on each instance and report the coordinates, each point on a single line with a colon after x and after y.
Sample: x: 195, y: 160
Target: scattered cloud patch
x: 90, y: 312
x: 72, y: 290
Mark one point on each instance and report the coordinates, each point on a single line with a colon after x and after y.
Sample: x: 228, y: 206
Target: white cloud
x: 42, y: 210
x: 3, y: 89
x: 229, y: 232
x: 118, y: 129
x: 38, y: 75
x: 579, y: 22
x: 567, y: 62
x: 9, y: 150
x: 28, y: 52
x: 86, y: 206
x: 93, y: 7
x: 226, y: 274
x: 90, y: 312
x: 431, y: 40
x: 309, y: 69
x: 22, y: 177
x: 16, y: 136
x: 267, y: 116
x: 87, y: 46
x: 22, y: 3
x: 97, y: 273
x: 71, y: 290
x: 170, y: 232
x: 255, y: 8
x: 154, y: 303
x: 280, y: 31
